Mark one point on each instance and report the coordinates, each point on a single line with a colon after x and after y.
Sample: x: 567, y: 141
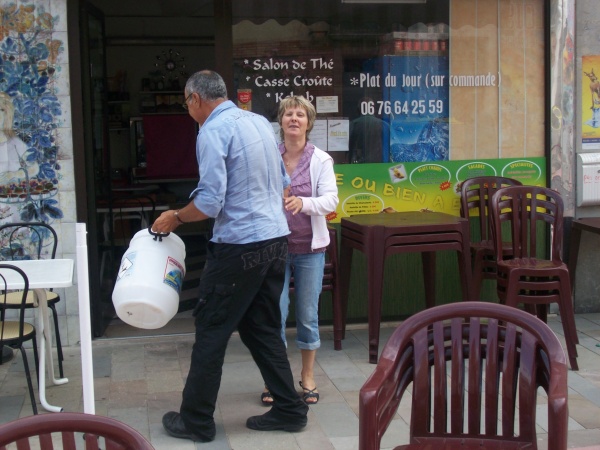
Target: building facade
x: 446, y: 81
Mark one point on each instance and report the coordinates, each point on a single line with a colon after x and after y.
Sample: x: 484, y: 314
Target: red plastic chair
x: 475, y: 369
x: 476, y: 194
x: 523, y: 215
x: 60, y: 431
x: 331, y: 284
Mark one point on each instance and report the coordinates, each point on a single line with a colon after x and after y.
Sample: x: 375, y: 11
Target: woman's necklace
x: 292, y: 161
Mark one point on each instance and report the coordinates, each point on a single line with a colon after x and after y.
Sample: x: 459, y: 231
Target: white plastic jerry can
x: 150, y: 278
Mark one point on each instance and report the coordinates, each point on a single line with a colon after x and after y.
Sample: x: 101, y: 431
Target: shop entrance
x: 399, y: 82
x: 137, y: 140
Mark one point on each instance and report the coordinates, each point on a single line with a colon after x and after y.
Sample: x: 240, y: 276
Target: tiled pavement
x: 138, y: 379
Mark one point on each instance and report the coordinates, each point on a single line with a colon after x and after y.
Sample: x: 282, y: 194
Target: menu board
x: 262, y: 82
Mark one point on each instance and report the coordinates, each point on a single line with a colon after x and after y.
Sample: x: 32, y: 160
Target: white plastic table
x: 43, y: 274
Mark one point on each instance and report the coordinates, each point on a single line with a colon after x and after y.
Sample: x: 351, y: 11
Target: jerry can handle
x: 157, y: 236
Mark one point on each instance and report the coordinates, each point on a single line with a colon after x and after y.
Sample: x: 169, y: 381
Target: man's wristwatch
x: 176, y: 214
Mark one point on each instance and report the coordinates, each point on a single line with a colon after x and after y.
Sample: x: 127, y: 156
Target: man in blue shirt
x: 242, y: 178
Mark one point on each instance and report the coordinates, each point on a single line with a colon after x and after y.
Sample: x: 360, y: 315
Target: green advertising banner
x: 426, y: 186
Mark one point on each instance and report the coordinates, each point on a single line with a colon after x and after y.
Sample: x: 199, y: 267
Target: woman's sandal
x: 266, y: 398
x: 309, y: 394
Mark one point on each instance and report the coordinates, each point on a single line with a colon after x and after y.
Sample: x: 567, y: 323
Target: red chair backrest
x: 474, y: 368
x: 523, y: 209
x: 476, y: 194
x: 39, y: 431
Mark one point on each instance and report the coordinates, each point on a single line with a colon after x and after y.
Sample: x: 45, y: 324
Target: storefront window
x: 436, y: 81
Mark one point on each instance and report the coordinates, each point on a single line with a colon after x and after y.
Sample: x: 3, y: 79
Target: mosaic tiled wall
x: 36, y: 150
x: 33, y: 94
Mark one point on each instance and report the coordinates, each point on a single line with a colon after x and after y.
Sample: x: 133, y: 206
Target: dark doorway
x: 134, y: 63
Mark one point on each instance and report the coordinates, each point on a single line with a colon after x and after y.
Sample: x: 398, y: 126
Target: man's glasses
x: 185, y: 102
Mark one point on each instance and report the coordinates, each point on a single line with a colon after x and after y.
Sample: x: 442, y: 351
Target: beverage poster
x: 590, y: 102
x: 415, y: 103
x: 421, y: 186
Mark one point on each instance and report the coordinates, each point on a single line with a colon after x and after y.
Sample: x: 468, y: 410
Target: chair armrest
x: 380, y: 396
x: 558, y: 409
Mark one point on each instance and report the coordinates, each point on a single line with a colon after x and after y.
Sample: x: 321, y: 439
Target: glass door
x: 97, y: 151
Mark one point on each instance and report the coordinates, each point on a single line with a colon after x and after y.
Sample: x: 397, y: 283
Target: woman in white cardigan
x: 312, y: 195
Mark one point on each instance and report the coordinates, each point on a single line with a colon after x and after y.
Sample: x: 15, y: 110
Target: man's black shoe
x: 173, y: 423
x: 268, y: 422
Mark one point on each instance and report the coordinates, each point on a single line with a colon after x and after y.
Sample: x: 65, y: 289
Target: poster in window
x: 415, y: 103
x: 590, y: 102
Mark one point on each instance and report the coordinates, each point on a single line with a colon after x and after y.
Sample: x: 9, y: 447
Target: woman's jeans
x: 308, y: 281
